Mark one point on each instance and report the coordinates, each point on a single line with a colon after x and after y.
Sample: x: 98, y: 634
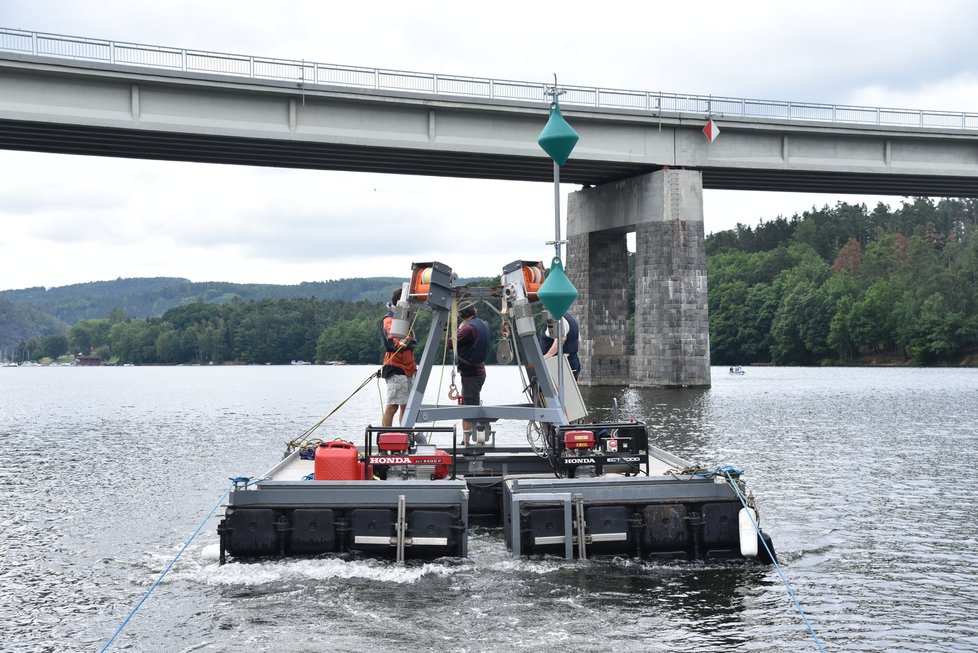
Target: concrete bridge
x: 642, y: 158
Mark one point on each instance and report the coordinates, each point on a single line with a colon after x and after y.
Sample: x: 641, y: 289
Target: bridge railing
x: 305, y: 72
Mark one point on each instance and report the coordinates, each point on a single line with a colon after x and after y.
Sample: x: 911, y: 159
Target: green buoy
x: 557, y: 293
x: 558, y: 138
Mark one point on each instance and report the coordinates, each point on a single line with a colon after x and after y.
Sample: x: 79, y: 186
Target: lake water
x: 863, y: 480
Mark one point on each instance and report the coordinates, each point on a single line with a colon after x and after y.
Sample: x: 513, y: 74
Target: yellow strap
x: 453, y: 327
x: 441, y: 374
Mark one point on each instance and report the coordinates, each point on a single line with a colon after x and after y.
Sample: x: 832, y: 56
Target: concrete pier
x: 672, y: 342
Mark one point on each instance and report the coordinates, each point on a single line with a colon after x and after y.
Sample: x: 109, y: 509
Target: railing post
x: 34, y: 43
x: 492, y: 89
x: 434, y: 83
x: 376, y: 79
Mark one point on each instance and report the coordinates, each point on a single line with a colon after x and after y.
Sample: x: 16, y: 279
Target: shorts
x: 398, y: 389
x: 472, y: 390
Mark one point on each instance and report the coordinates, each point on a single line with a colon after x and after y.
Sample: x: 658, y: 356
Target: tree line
x: 829, y: 286
x: 259, y: 331
x: 843, y: 283
x: 274, y: 331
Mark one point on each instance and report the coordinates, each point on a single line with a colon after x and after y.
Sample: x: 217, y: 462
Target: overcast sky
x: 68, y: 219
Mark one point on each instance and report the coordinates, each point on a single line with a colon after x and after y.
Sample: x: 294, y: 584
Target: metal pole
x: 581, y: 527
x: 401, y: 527
x: 556, y: 209
x: 560, y: 322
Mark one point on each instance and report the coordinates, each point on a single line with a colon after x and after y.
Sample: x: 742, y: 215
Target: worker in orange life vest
x: 399, y: 365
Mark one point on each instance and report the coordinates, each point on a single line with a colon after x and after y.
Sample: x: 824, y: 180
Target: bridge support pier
x: 671, y: 342
x: 597, y: 264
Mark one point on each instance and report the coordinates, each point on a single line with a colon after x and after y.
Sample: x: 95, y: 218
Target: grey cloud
x: 365, y: 231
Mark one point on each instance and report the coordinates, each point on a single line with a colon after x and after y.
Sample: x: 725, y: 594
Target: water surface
x: 862, y: 478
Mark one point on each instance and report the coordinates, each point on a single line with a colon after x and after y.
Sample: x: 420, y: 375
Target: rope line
x: 380, y: 397
x: 726, y: 472
x: 441, y: 373
x: 169, y: 566
x: 301, y: 441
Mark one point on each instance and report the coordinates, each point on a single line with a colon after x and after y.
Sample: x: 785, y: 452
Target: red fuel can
x: 337, y: 461
x: 364, y: 475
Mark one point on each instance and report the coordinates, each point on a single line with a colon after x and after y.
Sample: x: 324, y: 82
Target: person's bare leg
x: 389, y: 415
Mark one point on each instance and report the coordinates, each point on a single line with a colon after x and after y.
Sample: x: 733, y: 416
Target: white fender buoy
x: 211, y: 552
x: 748, y: 534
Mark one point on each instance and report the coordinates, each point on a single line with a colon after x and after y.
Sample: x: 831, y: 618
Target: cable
x: 380, y: 399
x: 301, y: 441
x: 726, y: 472
x: 156, y: 582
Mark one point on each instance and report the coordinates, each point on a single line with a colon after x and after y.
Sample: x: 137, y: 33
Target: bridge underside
x: 57, y: 105
x: 272, y: 152
x: 279, y: 153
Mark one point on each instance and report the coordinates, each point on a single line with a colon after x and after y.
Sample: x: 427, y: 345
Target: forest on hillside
x: 273, y: 331
x: 845, y: 283
x: 835, y: 285
x: 35, y: 312
x: 264, y: 331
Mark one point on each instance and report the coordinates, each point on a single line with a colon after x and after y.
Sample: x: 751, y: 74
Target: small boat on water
x: 578, y: 489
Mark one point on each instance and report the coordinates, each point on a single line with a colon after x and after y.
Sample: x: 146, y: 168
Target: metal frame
x: 564, y: 498
x: 531, y: 358
x: 329, y: 494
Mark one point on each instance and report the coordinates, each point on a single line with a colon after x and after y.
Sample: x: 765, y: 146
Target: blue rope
x: 719, y: 471
x: 726, y: 471
x: 234, y: 483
